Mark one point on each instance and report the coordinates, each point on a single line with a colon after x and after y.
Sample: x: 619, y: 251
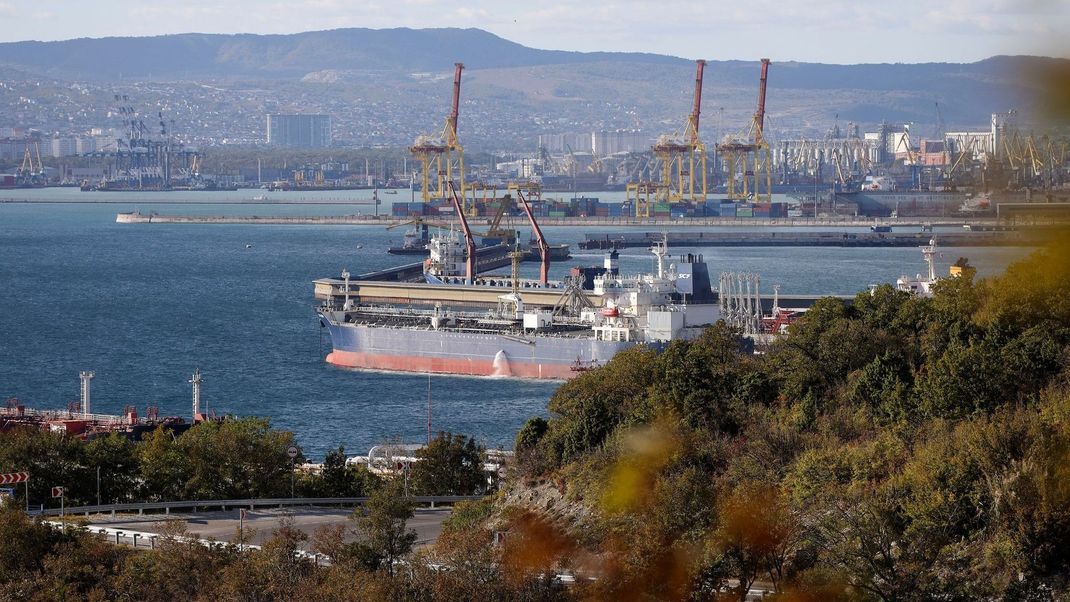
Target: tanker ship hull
x: 374, y: 347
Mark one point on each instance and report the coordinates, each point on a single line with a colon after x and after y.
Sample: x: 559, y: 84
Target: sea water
x: 143, y: 305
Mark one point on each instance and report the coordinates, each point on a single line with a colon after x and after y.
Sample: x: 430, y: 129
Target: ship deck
x: 380, y: 317
x: 419, y: 294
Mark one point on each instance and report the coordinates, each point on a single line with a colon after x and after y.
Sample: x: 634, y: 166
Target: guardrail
x: 196, y: 505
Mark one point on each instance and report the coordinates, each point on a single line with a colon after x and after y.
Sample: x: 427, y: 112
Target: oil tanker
x: 548, y: 330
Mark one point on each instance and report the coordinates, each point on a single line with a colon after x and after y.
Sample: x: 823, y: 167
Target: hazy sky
x: 836, y: 31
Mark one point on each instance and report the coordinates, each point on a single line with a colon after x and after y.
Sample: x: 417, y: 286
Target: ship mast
x: 87, y: 377
x: 930, y: 258
x: 196, y: 382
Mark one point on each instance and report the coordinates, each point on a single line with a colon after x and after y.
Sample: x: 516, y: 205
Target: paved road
x: 223, y: 525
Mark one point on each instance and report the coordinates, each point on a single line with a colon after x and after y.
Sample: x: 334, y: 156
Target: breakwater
x: 626, y: 222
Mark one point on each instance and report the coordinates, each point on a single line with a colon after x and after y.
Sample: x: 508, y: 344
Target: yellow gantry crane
x: 441, y: 157
x: 679, y: 157
x: 749, y: 159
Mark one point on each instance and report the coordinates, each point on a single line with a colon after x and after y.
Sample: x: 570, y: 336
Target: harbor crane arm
x: 455, y: 111
x: 696, y: 106
x: 544, y: 248
x: 759, y: 115
x: 495, y: 223
x: 469, y: 241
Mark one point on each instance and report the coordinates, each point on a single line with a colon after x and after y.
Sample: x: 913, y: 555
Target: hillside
x: 245, y: 55
x: 384, y: 86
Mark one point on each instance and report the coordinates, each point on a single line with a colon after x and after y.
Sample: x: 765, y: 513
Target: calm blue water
x: 143, y: 305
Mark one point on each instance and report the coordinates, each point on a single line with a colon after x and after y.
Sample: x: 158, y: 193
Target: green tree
x: 236, y: 458
x: 164, y: 468
x: 52, y: 459
x: 116, y: 458
x: 451, y: 464
x: 382, y: 523
x: 588, y: 408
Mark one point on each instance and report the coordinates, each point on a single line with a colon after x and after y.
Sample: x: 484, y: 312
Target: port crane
x: 544, y: 248
x: 469, y: 240
x: 748, y: 158
x: 30, y: 173
x: 678, y: 157
x: 441, y: 157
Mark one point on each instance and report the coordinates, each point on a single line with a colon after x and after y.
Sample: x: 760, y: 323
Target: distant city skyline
x: 829, y: 31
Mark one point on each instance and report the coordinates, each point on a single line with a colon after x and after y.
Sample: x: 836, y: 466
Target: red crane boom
x: 696, y: 106
x: 469, y: 242
x: 544, y: 248
x: 759, y: 115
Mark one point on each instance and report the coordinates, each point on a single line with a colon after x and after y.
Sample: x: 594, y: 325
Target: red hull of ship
x: 438, y: 365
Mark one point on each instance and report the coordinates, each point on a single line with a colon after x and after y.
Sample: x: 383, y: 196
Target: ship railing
x: 432, y: 501
x: 387, y: 310
x: 60, y: 415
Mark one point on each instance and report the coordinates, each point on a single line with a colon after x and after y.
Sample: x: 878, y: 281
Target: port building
x: 299, y: 131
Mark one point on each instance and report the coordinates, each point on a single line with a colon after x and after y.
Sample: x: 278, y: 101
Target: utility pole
x: 98, y: 485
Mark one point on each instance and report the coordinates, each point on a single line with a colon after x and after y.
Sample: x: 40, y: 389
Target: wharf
x: 982, y: 238
x: 137, y: 217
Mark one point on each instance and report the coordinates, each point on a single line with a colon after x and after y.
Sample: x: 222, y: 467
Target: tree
x: 116, y: 458
x: 164, y: 468
x: 450, y: 465
x: 530, y: 434
x: 588, y: 408
x: 530, y: 457
x: 236, y: 458
x: 25, y: 543
x: 340, y: 479
x: 383, y: 525
x: 51, y: 459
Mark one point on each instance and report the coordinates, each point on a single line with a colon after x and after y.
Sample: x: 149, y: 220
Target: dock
x: 983, y: 237
x: 136, y: 217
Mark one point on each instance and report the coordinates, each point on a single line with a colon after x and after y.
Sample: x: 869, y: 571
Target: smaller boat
x: 360, y: 246
x: 248, y: 246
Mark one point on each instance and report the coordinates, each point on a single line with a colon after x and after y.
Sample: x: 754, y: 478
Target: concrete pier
x: 625, y: 222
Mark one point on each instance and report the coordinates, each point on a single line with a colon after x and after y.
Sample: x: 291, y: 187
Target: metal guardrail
x: 251, y: 504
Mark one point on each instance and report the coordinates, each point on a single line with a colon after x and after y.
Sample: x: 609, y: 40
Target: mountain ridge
x: 385, y: 86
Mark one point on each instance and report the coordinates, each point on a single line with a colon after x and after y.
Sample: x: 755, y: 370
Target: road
x: 261, y: 524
